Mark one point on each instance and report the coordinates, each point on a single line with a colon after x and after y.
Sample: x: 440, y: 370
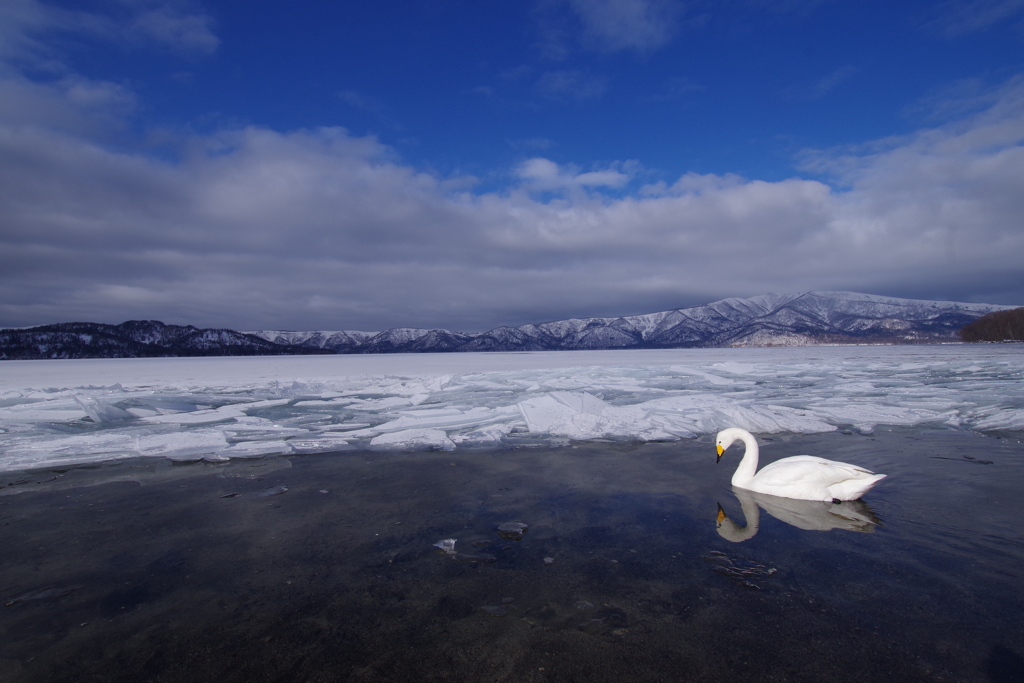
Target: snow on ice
x: 60, y: 413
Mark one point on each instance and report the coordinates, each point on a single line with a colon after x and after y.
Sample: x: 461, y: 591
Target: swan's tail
x: 853, y: 489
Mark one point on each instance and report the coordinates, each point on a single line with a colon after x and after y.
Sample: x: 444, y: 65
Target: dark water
x: 146, y: 571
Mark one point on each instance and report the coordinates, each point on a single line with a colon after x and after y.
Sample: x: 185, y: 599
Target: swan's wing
x: 814, y: 478
x: 810, y: 468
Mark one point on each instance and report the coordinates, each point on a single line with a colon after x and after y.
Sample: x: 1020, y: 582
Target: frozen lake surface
x: 59, y: 413
x: 351, y: 518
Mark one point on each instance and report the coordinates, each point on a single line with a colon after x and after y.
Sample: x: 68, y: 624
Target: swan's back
x: 808, y: 477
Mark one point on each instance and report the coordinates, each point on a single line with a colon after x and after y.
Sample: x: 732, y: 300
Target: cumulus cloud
x: 545, y: 175
x: 258, y: 228
x: 31, y: 35
x: 319, y: 228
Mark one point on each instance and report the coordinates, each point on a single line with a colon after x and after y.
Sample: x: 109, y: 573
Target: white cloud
x: 545, y: 175
x: 57, y: 97
x: 19, y: 20
x: 640, y: 25
x: 177, y: 29
x: 318, y: 228
x: 97, y: 95
x: 27, y: 28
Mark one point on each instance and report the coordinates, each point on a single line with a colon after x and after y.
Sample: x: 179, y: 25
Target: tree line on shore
x: 996, y: 327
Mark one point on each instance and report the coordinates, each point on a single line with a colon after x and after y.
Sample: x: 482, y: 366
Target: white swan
x: 804, y: 477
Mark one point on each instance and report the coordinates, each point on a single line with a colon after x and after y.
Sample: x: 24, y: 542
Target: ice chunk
x: 331, y: 403
x: 100, y: 410
x: 197, y: 417
x: 375, y: 404
x: 447, y: 545
x: 1003, y: 420
x: 584, y: 416
x: 255, y: 449
x: 451, y: 418
x: 42, y: 410
x: 485, y: 436
x: 553, y: 412
x: 259, y: 405
x: 321, y: 443
x: 196, y: 443
x: 415, y: 439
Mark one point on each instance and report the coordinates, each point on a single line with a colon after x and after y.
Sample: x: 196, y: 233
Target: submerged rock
x: 739, y: 571
x: 512, y: 530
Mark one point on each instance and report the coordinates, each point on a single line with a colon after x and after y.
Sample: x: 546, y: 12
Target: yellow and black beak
x: 720, y: 451
x: 721, y: 514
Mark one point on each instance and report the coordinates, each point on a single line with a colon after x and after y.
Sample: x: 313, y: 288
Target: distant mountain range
x: 804, y: 319
x: 135, y: 339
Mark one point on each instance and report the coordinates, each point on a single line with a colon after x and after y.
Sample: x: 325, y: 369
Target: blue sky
x: 446, y: 163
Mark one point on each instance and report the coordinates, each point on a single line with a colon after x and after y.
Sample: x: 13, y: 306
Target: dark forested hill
x: 996, y: 327
x: 134, y: 339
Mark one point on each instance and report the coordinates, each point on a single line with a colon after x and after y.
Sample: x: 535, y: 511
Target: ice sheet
x: 57, y: 413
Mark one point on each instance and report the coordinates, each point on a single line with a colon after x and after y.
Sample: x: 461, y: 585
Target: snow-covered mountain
x: 338, y: 341
x: 768, y: 320
x: 395, y: 340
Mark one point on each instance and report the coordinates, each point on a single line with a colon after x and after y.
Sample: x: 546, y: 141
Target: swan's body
x: 804, y: 477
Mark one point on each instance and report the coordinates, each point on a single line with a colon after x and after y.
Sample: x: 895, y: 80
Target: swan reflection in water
x: 812, y: 515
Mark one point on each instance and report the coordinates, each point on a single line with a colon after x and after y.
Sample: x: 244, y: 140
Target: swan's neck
x: 748, y: 466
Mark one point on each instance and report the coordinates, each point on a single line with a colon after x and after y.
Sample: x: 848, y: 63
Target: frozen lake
x: 59, y: 413
x: 243, y: 519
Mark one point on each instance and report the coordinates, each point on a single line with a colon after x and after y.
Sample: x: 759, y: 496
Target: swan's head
x: 726, y: 438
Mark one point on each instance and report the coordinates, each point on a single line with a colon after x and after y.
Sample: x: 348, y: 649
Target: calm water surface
x: 147, y: 571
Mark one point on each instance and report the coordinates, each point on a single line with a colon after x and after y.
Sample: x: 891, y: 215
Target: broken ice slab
x: 447, y: 545
x: 497, y: 400
x: 414, y: 439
